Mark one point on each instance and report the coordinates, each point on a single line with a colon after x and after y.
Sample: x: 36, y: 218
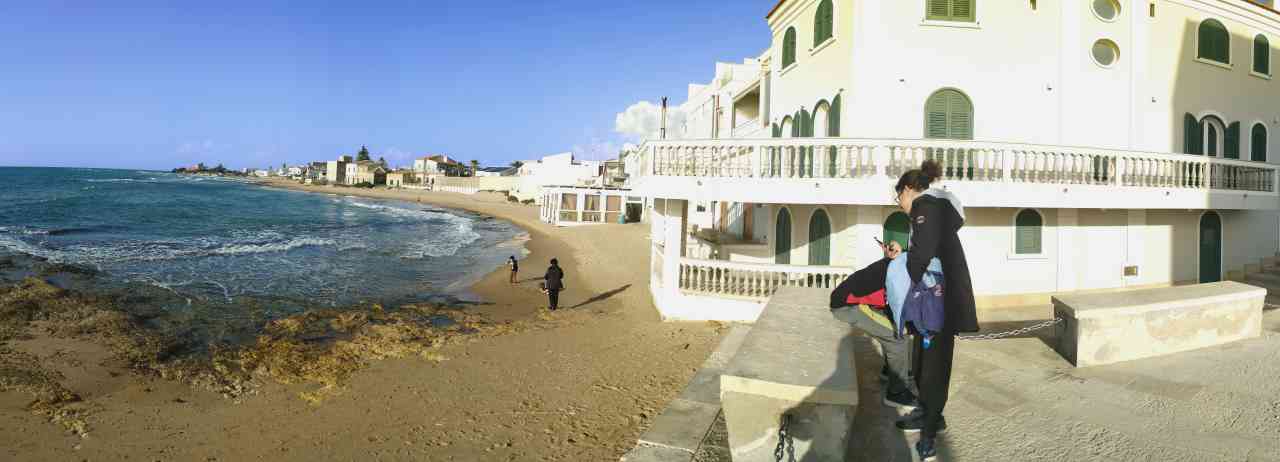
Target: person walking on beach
x: 936, y: 218
x: 515, y: 268
x: 553, y: 283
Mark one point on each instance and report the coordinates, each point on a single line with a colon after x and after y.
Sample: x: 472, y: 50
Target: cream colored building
x: 365, y: 171
x: 1096, y: 144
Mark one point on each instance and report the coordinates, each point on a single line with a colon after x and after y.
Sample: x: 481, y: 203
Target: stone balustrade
x: 963, y: 161
x: 752, y: 280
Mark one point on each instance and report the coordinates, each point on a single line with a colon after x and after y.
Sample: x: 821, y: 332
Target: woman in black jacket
x: 936, y: 218
x: 554, y: 283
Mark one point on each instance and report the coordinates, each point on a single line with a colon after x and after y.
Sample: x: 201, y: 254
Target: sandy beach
x: 576, y: 384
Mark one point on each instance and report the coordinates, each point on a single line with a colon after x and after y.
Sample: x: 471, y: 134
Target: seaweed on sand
x: 22, y: 372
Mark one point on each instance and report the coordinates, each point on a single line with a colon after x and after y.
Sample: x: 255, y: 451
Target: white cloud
x: 396, y: 157
x: 596, y: 149
x: 644, y: 119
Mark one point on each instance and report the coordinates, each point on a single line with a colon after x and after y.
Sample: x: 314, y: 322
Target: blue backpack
x: 924, y: 307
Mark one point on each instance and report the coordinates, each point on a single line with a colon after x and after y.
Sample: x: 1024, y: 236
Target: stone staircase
x: 1266, y: 275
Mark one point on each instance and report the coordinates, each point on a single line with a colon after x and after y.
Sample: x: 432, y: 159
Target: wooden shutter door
x: 1191, y: 135
x: 936, y: 115
x: 833, y: 130
x: 820, y: 239
x: 1028, y: 226
x: 1258, y: 144
x: 960, y: 117
x: 782, y: 239
x: 1231, y: 148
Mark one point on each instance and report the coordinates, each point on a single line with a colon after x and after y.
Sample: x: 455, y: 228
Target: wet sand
x: 577, y: 384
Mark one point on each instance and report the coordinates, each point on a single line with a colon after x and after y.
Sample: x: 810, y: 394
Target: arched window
x: 823, y: 23
x: 1213, y: 42
x: 897, y: 228
x: 789, y: 48
x: 1214, y: 136
x: 1258, y: 143
x: 1261, y: 55
x: 1028, y: 230
x: 819, y: 239
x: 782, y: 238
x: 949, y: 10
x: 948, y: 114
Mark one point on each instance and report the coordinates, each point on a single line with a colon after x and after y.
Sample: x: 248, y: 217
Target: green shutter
x: 833, y: 118
x: 962, y: 10
x: 777, y: 131
x: 936, y: 116
x: 820, y: 239
x: 949, y: 114
x: 1191, y: 143
x: 1258, y: 146
x: 960, y: 117
x: 1231, y: 148
x: 1027, y: 233
x: 897, y: 228
x: 822, y: 23
x: 782, y: 239
x: 939, y: 10
x: 789, y: 48
x: 1214, y: 41
x: 1261, y: 55
x: 833, y: 130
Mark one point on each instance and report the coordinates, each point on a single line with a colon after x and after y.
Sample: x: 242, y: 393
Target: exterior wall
x: 818, y: 74
x: 336, y: 172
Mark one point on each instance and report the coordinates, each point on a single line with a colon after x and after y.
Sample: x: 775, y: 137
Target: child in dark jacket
x: 855, y: 301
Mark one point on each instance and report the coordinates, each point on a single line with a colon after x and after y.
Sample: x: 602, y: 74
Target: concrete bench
x: 1122, y: 326
x: 797, y: 359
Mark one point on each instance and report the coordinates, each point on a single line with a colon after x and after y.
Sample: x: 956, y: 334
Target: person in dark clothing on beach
x: 877, y: 322
x: 515, y: 268
x: 553, y: 283
x: 936, y: 218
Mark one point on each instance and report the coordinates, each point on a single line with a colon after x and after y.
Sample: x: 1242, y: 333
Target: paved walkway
x: 1016, y: 399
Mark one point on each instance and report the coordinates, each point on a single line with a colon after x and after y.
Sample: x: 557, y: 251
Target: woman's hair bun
x: 931, y: 169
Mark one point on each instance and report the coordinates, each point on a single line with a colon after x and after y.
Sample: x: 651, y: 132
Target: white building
x: 1098, y: 144
x: 553, y: 170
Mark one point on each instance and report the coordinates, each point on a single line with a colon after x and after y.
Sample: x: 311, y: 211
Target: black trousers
x: 553, y: 298
x: 932, y: 368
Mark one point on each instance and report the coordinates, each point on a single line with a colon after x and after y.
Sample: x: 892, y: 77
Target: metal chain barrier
x: 784, y: 441
x: 1012, y: 333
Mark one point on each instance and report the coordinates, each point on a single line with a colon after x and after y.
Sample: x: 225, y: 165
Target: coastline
x: 493, y: 289
x: 581, y: 383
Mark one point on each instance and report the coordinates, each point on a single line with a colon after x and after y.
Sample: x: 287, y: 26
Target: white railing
x: 753, y: 280
x: 964, y: 161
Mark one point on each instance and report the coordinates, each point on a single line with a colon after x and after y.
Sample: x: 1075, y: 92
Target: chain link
x: 1012, y: 333
x: 784, y: 441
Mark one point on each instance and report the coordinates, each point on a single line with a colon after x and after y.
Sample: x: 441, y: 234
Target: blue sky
x: 110, y: 84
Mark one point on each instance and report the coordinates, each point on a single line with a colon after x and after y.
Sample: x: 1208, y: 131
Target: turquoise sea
x: 216, y: 245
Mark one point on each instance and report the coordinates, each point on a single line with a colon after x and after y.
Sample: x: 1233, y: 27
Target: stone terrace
x: 1016, y: 399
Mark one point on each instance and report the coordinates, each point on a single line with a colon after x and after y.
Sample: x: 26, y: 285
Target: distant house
x: 399, y: 178
x: 439, y: 164
x: 262, y: 173
x: 366, y: 171
x: 336, y: 170
x: 554, y: 170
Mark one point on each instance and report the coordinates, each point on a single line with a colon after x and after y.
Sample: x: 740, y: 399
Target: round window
x: 1105, y: 52
x: 1107, y: 10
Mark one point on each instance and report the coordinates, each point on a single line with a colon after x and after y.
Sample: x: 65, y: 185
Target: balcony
x: 863, y: 171
x: 752, y: 281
